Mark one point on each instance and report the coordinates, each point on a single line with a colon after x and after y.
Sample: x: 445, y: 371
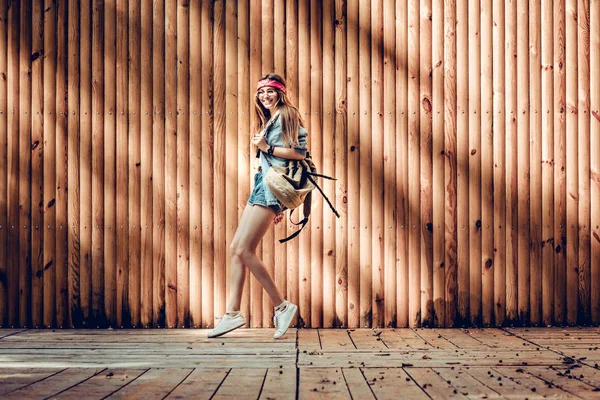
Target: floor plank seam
x: 425, y: 340
x: 15, y: 333
x: 125, y: 385
x: 262, y: 386
x: 578, y: 378
x: 77, y: 383
x: 220, y: 384
x: 33, y: 383
x: 551, y: 384
x: 417, y: 383
x: 566, y: 358
x: 346, y: 382
x: 484, y: 384
x: 176, y: 386
x: 319, y: 336
x: 381, y: 340
x: 466, y: 332
x: 521, y: 370
x: 457, y: 389
x: 362, y: 372
x: 349, y: 332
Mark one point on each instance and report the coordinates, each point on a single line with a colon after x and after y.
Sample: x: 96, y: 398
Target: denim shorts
x: 257, y: 197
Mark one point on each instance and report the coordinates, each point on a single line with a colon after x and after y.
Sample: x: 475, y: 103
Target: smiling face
x: 268, y: 97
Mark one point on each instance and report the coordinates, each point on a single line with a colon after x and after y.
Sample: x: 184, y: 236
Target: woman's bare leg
x: 237, y: 277
x: 254, y: 223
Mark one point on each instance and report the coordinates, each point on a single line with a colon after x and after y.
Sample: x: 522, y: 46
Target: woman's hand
x: 260, y: 142
x: 278, y: 218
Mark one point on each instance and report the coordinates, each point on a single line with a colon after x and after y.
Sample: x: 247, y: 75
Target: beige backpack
x: 292, y: 186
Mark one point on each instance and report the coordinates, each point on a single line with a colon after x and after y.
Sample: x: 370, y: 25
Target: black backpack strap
x: 293, y: 235
x: 322, y: 176
x: 325, y: 197
x: 295, y: 223
x: 306, y: 209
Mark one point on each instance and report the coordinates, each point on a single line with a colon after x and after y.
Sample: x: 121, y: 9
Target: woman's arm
x: 281, y: 152
x: 285, y: 152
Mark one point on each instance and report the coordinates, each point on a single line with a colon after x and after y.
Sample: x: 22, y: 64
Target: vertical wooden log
x: 329, y: 253
x: 594, y: 159
x: 146, y: 138
x: 25, y: 156
x: 378, y: 186
x: 183, y: 165
x: 97, y: 167
x: 12, y: 264
x: 134, y: 167
x: 499, y: 154
x: 243, y: 149
x: 304, y: 90
x: 353, y: 167
x: 293, y: 87
x: 74, y: 198
x: 219, y: 159
x: 572, y: 162
x: 196, y: 82
x: 365, y: 168
x: 341, y: 166
x: 450, y: 165
x: 475, y: 133
x: 462, y: 156
x: 122, y: 306
x: 4, y: 305
x: 560, y: 165
x: 171, y: 132
x: 256, y: 291
x: 511, y: 162
x: 401, y: 148
x: 389, y: 164
x: 523, y: 163
x: 547, y: 161
x: 426, y: 162
x: 316, y: 139
x: 231, y: 130
x: 438, y: 160
x: 61, y: 226
x: 195, y: 150
x: 414, y: 216
x: 158, y: 165
x: 535, y: 133
x: 487, y: 167
x: 267, y: 66
x: 40, y: 295
x: 279, y: 44
x: 43, y: 163
x: 583, y: 157
x: 110, y: 161
x: 207, y: 167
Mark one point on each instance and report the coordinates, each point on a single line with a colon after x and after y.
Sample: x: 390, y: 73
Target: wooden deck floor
x: 306, y: 364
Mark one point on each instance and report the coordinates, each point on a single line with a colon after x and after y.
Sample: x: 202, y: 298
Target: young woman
x: 279, y: 137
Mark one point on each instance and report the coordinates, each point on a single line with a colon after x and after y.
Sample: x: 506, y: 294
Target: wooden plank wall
x: 464, y: 134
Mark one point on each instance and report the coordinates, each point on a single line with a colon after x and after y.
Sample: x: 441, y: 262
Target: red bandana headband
x: 270, y: 82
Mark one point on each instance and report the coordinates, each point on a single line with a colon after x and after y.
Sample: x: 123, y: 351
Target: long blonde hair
x: 291, y: 120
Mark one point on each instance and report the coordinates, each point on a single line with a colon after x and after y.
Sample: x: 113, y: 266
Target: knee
x: 238, y: 250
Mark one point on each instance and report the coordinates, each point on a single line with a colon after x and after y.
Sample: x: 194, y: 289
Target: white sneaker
x: 227, y: 324
x: 283, y: 319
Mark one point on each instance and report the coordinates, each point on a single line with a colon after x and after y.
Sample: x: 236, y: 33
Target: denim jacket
x: 274, y: 137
